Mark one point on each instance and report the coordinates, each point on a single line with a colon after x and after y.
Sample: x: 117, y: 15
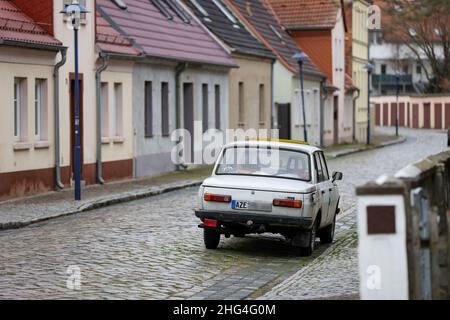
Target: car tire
x: 308, y: 250
x: 327, y: 234
x: 211, y: 238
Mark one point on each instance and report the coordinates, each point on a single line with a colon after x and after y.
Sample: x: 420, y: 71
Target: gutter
x: 179, y: 69
x: 98, y: 72
x: 58, y: 181
x: 31, y: 45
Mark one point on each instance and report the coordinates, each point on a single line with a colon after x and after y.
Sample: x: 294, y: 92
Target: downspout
x: 178, y: 71
x: 354, y: 113
x: 98, y: 72
x: 274, y: 111
x: 58, y: 181
x: 322, y: 110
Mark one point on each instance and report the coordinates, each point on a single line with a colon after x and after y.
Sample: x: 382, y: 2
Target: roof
x: 15, y: 25
x: 157, y: 36
x: 274, y: 144
x: 260, y: 20
x: 306, y: 14
x: 233, y: 33
x: 111, y: 41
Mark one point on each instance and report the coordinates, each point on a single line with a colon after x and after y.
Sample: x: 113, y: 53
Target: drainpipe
x: 322, y: 110
x: 354, y: 113
x: 178, y: 71
x: 58, y: 181
x: 274, y: 111
x: 98, y: 72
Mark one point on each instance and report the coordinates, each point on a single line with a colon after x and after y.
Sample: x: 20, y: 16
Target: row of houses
x: 148, y: 67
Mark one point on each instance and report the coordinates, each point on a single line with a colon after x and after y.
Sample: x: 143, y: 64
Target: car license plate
x: 239, y: 205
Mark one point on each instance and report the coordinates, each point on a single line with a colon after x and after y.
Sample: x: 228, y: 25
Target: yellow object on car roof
x: 283, y: 140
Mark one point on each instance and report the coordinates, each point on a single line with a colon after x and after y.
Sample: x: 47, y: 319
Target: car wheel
x: 327, y: 234
x: 211, y: 238
x: 308, y: 250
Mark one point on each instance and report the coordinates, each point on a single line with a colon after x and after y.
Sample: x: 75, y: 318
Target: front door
x: 72, y: 121
x: 188, y: 119
x: 336, y: 119
x: 284, y: 120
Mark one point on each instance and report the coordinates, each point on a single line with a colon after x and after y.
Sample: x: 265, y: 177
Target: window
x: 241, y: 102
x: 217, y: 105
x: 406, y: 69
x: 118, y: 112
x: 419, y: 69
x: 326, y: 175
x: 225, y: 11
x: 199, y: 8
x: 205, y: 106
x: 262, y: 104
x: 178, y: 11
x: 20, y: 109
x: 148, y: 109
x: 319, y: 170
x: 162, y: 9
x: 165, y: 108
x: 40, y: 109
x: 105, y: 109
x: 383, y: 69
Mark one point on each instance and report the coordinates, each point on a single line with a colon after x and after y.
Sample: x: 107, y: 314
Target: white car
x: 272, y: 186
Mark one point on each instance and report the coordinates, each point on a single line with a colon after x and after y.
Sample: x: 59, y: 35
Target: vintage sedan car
x: 271, y: 186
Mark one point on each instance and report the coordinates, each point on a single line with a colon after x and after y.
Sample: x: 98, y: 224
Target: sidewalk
x: 17, y: 213
x: 378, y: 141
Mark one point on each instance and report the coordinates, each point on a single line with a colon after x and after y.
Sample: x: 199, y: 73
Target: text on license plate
x: 239, y: 205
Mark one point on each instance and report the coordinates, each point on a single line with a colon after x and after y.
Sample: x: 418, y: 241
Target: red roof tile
x: 17, y: 26
x: 159, y: 37
x: 111, y: 41
x: 305, y: 14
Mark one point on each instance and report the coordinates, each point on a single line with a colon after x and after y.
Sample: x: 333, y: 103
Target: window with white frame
x: 40, y: 109
x: 20, y: 109
x: 105, y: 109
x: 118, y: 110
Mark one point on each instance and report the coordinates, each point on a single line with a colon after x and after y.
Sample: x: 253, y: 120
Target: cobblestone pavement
x: 152, y: 248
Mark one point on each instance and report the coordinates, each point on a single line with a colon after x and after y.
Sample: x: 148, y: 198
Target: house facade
x: 251, y: 83
x: 287, y: 117
x: 319, y: 28
x: 181, y: 78
x: 357, y: 57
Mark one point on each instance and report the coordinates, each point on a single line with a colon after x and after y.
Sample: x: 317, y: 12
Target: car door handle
x: 330, y: 190
x: 323, y: 191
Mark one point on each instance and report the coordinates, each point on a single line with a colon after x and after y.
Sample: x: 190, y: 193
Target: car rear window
x: 274, y: 163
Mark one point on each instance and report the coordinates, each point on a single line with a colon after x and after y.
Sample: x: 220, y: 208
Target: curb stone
x: 357, y: 150
x: 107, y: 201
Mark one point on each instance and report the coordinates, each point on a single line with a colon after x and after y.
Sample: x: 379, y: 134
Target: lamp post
x: 75, y: 10
x: 301, y: 56
x: 397, y: 79
x: 369, y: 67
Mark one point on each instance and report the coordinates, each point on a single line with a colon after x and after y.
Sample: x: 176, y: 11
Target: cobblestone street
x: 152, y: 248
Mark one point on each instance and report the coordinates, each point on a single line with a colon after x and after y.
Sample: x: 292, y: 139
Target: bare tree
x: 424, y: 27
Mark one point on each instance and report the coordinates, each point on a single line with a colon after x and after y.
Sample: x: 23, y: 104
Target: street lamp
x: 75, y: 10
x: 301, y: 56
x: 369, y: 67
x: 397, y: 79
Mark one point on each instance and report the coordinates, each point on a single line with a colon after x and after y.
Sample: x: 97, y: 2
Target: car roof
x: 275, y: 143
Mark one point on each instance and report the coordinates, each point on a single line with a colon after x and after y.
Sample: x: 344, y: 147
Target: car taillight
x: 210, y: 223
x: 216, y: 197
x: 287, y: 203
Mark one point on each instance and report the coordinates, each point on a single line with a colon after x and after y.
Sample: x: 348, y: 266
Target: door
x: 336, y: 120
x: 393, y: 114
x: 385, y: 114
x: 447, y: 116
x: 427, y: 115
x: 438, y: 116
x: 72, y: 121
x: 324, y: 189
x: 188, y: 119
x: 415, y: 115
x: 284, y: 120
x: 377, y: 114
x: 402, y: 115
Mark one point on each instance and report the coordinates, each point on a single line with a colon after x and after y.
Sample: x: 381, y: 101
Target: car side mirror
x: 337, y: 176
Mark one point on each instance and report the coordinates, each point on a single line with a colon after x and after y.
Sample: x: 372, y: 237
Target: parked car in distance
x: 274, y: 186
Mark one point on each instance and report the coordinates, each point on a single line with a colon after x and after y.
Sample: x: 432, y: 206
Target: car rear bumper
x: 256, y: 219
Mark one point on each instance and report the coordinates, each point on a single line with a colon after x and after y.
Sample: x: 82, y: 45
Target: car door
x: 324, y: 189
x: 332, y: 189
